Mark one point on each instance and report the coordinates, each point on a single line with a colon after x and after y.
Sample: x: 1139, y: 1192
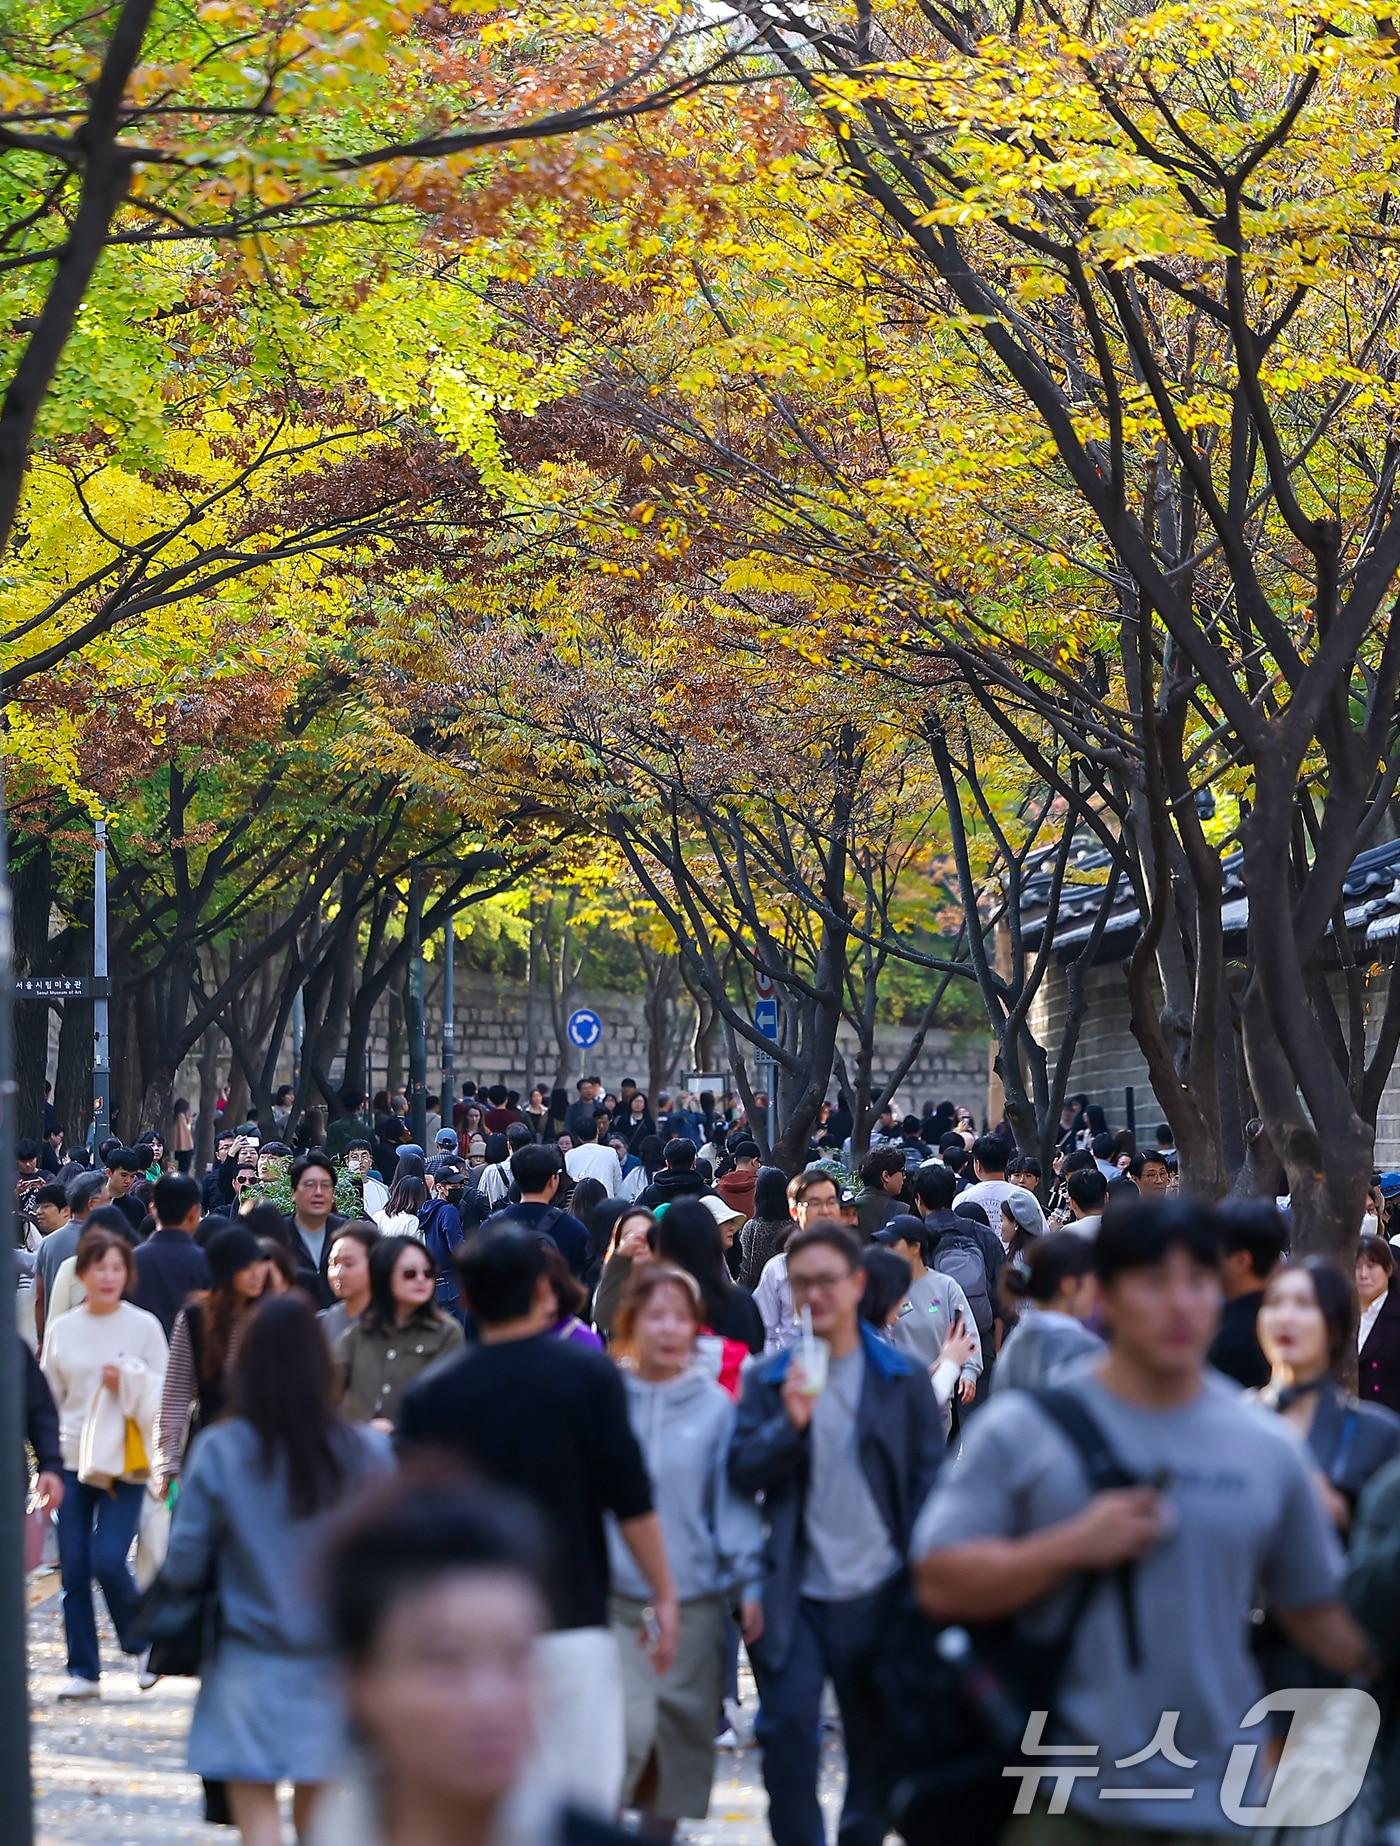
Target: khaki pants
x: 675, y: 1716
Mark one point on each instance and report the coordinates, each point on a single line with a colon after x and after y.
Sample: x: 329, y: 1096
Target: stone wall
x: 492, y: 1037
x: 1107, y: 1060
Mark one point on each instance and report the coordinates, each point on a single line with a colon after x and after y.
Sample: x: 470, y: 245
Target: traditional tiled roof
x: 1371, y: 892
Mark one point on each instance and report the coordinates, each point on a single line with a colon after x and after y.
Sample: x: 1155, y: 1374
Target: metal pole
x: 449, y: 1019
x: 417, y: 1019
x: 298, y: 1034
x: 14, y: 1698
x: 101, y: 1047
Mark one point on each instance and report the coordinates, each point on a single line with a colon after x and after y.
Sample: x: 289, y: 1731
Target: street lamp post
x: 101, y: 1045
x: 449, y: 1019
x: 417, y: 1019
x: 14, y: 1696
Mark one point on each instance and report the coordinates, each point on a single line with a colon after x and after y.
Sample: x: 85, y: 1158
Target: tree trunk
x: 208, y: 1098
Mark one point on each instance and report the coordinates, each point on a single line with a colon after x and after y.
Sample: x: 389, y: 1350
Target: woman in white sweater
x: 104, y: 1346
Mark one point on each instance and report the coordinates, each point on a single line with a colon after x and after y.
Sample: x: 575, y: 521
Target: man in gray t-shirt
x: 1232, y: 1519
x: 849, y: 1552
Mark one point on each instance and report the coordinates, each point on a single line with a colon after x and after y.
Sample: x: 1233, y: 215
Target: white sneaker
x: 75, y: 1688
x: 728, y: 1739
x: 145, y: 1678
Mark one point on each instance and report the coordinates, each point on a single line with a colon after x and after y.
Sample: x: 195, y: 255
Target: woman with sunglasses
x: 400, y: 1334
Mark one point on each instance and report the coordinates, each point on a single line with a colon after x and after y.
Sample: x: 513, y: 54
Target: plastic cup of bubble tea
x: 814, y: 1356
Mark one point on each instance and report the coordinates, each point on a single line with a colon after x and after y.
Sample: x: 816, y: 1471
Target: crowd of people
x: 485, y: 1461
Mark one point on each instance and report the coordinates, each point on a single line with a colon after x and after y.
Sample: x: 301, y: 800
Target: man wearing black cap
x: 934, y: 1302
x: 124, y: 1167
x: 736, y: 1186
x: 170, y: 1265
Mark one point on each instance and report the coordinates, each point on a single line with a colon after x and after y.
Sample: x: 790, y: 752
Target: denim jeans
x: 838, y: 1641
x: 95, y: 1533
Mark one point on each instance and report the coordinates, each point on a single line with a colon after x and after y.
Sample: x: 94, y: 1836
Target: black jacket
x: 1236, y: 1350
x: 309, y: 1276
x: 1378, y: 1368
x: 40, y: 1417
x: 901, y: 1444
x: 673, y: 1183
x: 170, y: 1266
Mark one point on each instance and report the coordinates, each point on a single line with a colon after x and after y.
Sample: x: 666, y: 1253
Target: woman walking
x: 259, y: 1492
x: 683, y: 1421
x: 767, y: 1230
x: 105, y: 1362
x: 400, y: 1334
x: 407, y: 1197
x: 688, y: 1238
x: 1051, y: 1293
x: 204, y: 1346
x: 182, y: 1135
x: 1305, y: 1327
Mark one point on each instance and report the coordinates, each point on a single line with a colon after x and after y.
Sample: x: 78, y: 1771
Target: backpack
x: 436, y: 1237
x: 960, y: 1259
x: 954, y: 1700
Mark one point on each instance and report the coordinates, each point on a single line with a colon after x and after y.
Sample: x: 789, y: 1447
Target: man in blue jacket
x: 844, y: 1469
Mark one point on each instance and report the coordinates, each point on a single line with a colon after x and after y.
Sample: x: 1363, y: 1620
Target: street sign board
x: 59, y: 987
x: 762, y: 984
x: 765, y: 1017
x: 585, y: 1028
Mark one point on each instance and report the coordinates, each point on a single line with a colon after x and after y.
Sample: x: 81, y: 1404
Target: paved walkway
x: 113, y: 1773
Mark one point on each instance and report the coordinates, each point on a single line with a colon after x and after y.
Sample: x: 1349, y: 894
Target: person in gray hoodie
x: 683, y: 1421
x: 1052, y: 1283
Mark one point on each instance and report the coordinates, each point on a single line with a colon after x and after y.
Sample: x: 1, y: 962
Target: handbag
x: 180, y: 1626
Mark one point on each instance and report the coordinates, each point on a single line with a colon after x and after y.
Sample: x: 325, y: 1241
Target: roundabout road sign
x: 585, y: 1028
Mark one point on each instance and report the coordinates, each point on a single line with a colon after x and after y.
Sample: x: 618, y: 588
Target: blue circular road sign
x: 585, y: 1028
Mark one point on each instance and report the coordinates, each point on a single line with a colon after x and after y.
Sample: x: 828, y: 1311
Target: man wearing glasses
x: 844, y: 1462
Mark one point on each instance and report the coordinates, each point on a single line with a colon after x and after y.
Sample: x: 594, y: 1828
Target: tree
x: 1053, y: 351
x: 144, y: 127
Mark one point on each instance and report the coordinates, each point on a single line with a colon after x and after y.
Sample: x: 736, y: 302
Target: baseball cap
x: 1390, y: 1185
x: 444, y: 1138
x: 746, y: 1149
x: 904, y: 1227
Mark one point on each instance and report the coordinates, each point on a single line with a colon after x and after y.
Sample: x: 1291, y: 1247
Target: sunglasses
x: 415, y: 1275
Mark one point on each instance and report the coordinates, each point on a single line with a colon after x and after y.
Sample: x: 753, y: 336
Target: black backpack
x: 955, y: 1698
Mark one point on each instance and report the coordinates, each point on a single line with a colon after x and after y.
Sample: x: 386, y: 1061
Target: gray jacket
x: 235, y: 1522
x: 713, y: 1533
x: 1039, y: 1346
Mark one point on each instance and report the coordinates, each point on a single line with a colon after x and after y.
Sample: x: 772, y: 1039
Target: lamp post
x: 101, y: 1044
x: 449, y: 1019
x: 14, y: 1693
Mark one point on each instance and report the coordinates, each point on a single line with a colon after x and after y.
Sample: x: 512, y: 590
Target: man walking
x: 309, y: 1224
x: 1227, y: 1515
x: 933, y: 1303
x: 844, y: 1464
x: 588, y: 1160
x: 990, y: 1185
x: 170, y: 1265
x: 550, y: 1420
x: 537, y: 1171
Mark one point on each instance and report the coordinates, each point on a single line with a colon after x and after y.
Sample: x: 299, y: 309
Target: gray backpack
x: 960, y: 1259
